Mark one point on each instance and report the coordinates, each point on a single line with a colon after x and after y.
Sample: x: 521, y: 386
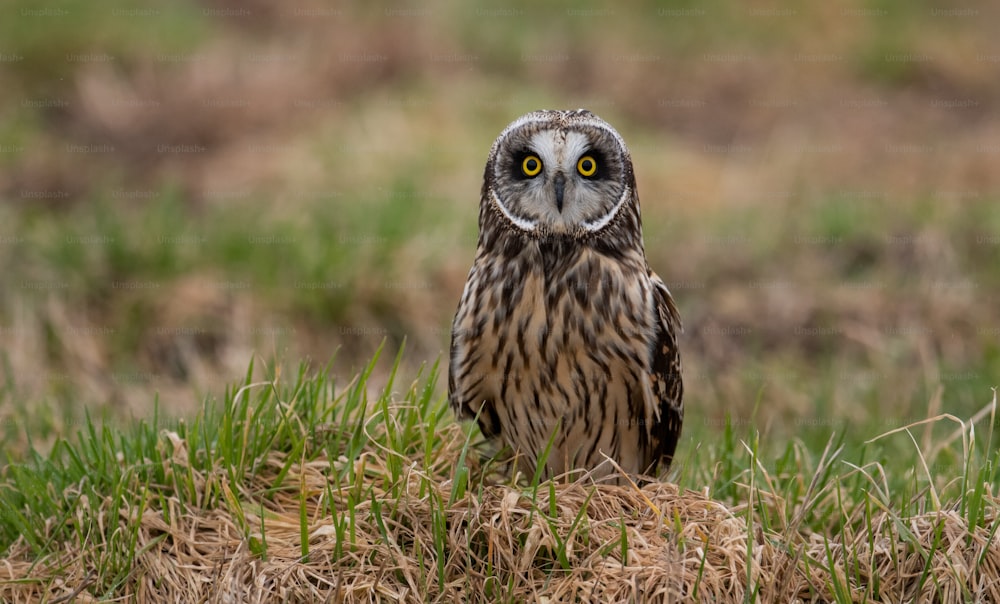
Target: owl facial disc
x: 560, y: 173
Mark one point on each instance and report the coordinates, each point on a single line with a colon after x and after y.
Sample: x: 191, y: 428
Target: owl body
x: 564, y: 339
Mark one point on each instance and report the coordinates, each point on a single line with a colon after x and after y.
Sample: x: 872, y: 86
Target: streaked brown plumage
x: 563, y: 333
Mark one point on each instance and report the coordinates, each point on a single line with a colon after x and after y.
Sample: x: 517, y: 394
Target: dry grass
x: 677, y: 546
x: 383, y: 509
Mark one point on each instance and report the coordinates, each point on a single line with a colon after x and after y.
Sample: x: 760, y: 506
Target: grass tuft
x: 321, y: 491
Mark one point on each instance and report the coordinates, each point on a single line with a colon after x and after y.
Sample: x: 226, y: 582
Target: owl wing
x: 465, y: 379
x: 666, y: 387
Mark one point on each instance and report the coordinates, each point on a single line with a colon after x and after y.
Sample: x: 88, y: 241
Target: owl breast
x: 567, y: 341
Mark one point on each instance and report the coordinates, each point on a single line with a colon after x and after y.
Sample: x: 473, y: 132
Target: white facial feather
x: 522, y: 223
x: 592, y: 226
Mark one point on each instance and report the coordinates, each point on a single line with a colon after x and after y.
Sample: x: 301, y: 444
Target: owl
x: 564, y: 343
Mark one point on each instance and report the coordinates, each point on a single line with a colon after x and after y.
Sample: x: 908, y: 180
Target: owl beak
x: 560, y: 183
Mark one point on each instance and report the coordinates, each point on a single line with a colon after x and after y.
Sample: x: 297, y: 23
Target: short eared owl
x: 564, y: 338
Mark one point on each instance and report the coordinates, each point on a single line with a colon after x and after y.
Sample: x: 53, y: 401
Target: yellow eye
x: 531, y: 165
x: 587, y: 166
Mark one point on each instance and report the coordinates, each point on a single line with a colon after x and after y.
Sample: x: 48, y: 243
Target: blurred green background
x: 186, y: 185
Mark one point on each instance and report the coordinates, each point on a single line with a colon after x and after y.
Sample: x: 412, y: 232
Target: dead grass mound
x: 581, y: 542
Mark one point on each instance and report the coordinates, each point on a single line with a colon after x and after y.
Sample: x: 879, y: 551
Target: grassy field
x: 213, y: 216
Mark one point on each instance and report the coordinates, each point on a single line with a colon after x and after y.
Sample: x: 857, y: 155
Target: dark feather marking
x: 615, y: 443
x: 564, y: 397
x: 479, y: 327
x: 489, y: 420
x: 579, y: 387
x: 521, y: 328
x: 500, y: 348
x: 543, y: 335
x: 504, y: 377
x: 601, y: 362
x: 594, y: 442
x: 474, y: 385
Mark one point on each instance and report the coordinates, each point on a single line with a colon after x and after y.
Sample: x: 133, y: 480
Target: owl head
x: 558, y: 173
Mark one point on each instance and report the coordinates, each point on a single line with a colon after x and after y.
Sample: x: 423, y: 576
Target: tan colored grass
x: 501, y: 546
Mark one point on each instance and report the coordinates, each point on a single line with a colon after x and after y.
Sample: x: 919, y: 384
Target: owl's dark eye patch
x: 592, y: 165
x: 526, y: 165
